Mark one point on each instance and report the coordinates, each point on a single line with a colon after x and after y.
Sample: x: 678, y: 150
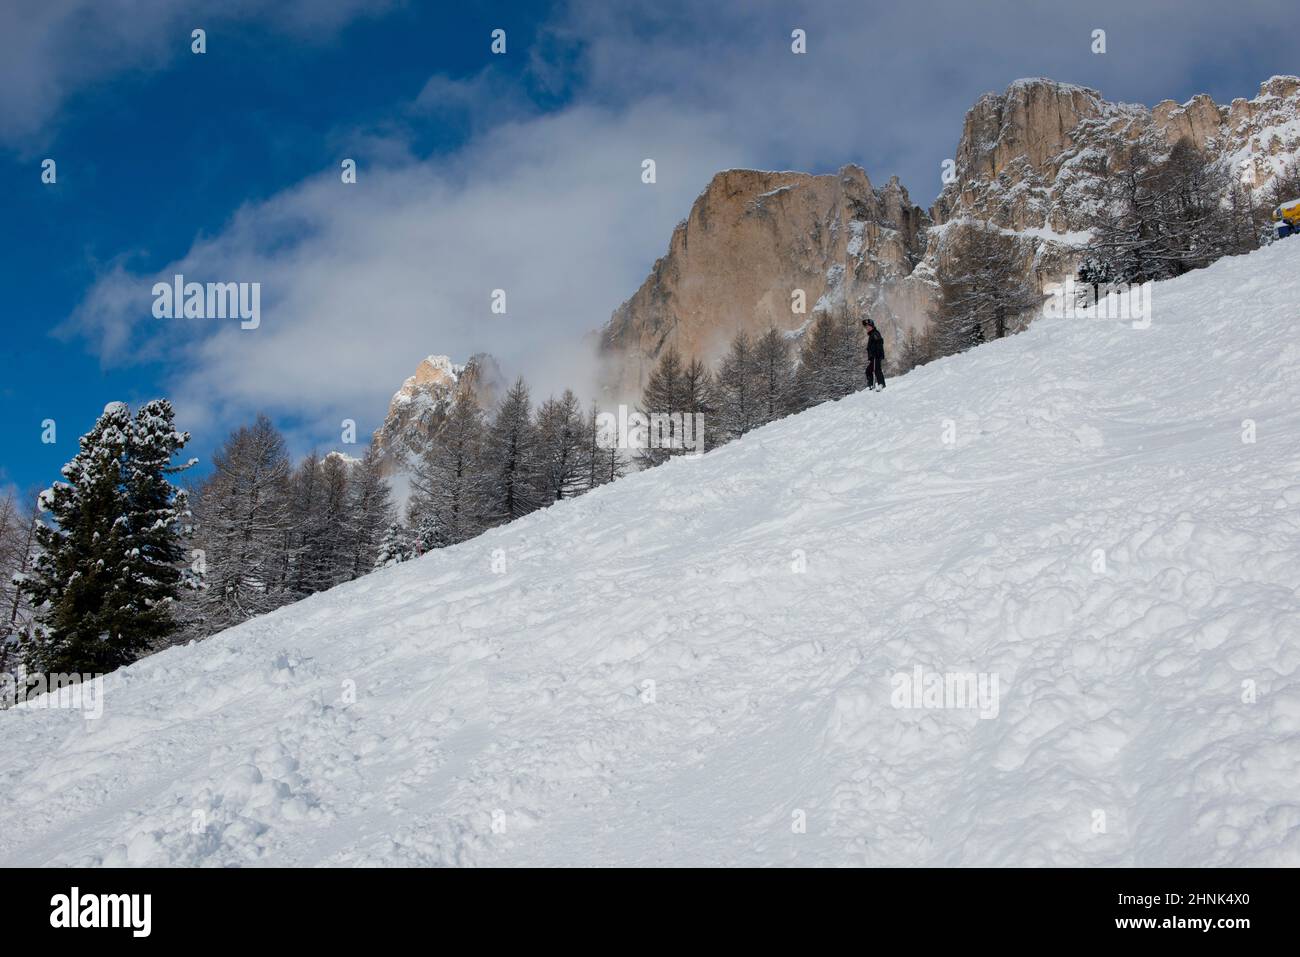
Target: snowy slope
x: 522, y: 694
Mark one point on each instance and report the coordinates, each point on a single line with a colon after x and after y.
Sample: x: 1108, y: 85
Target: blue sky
x: 476, y: 171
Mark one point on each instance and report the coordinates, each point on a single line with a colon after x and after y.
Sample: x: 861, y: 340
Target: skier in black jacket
x: 875, y: 356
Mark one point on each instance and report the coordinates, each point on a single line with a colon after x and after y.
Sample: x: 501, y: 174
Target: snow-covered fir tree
x: 107, y: 570
x: 426, y: 531
x: 1167, y: 210
x: 157, y: 522
x: 1095, y: 276
x: 395, y: 546
x: 81, y: 549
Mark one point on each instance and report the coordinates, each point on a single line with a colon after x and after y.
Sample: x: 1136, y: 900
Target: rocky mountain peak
x: 433, y: 370
x: 753, y: 242
x: 1031, y: 121
x: 1031, y: 159
x: 421, y: 405
x: 1032, y: 156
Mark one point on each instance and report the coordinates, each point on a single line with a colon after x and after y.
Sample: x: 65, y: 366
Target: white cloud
x: 360, y: 281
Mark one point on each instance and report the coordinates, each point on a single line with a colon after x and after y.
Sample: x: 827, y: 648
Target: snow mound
x: 703, y: 664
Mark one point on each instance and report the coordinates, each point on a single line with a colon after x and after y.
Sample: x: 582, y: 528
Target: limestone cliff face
x: 1034, y: 158
x: 751, y: 240
x: 1258, y: 137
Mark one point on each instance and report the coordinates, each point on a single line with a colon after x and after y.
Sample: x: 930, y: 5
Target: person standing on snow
x: 875, y: 356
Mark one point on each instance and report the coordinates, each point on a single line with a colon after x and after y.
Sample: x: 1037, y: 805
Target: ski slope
x: 507, y: 717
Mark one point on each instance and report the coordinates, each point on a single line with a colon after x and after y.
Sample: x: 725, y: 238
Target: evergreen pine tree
x: 80, y: 552
x: 602, y: 463
x: 739, y: 387
x: 775, y: 376
x: 917, y: 349
x: 560, y: 447
x: 395, y: 546
x: 699, y: 400
x: 512, y: 469
x: 1096, y: 275
x: 450, y: 487
x: 156, y: 526
x: 242, y: 514
x: 18, y: 525
x: 983, y: 292
x: 663, y: 395
x: 369, y: 513
x: 86, y: 611
x: 426, y: 531
x: 832, y: 360
x: 328, y: 557
x: 302, y: 526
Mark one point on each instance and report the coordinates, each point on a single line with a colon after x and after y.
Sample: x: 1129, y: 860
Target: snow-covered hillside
x: 684, y: 666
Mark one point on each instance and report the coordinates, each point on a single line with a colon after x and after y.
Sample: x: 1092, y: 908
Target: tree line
x: 1168, y: 210
x: 1161, y: 211
x: 266, y: 533
x: 117, y: 560
x: 481, y: 472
